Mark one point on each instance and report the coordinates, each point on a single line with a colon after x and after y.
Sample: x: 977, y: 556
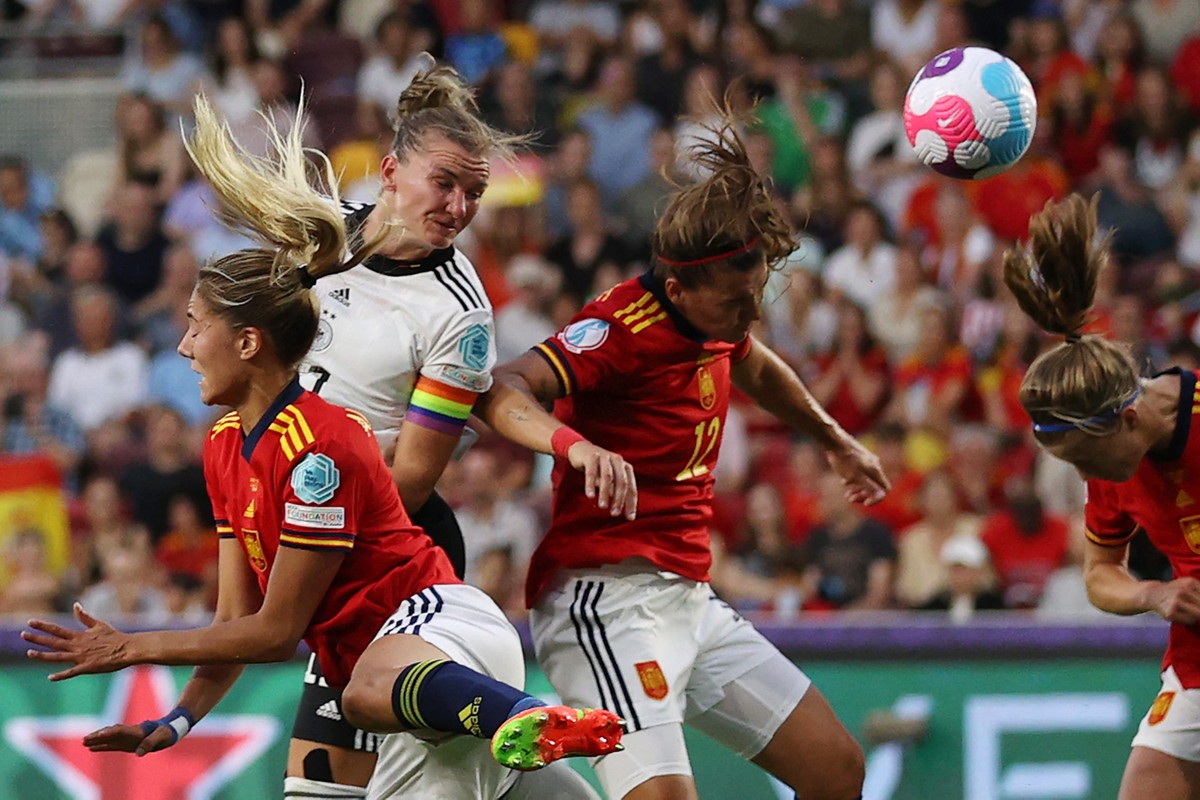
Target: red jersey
x: 638, y: 379
x: 1162, y: 498
x: 310, y: 475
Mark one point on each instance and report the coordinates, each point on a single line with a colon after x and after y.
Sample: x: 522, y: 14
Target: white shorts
x: 660, y: 651
x: 1172, y: 725
x: 465, y: 624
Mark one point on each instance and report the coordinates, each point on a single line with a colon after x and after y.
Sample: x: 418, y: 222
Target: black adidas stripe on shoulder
x: 458, y: 286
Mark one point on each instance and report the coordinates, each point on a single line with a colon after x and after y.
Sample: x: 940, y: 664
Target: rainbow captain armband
x: 440, y: 407
x: 180, y: 721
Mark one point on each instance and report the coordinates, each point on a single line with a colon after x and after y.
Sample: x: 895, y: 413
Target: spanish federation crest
x: 473, y: 347
x: 316, y: 478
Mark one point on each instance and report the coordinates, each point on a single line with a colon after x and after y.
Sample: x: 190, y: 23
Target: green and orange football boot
x: 538, y: 736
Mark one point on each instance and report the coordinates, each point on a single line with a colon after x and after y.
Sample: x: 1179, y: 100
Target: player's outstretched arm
x: 298, y: 582
x: 513, y: 408
x: 776, y: 387
x: 237, y: 596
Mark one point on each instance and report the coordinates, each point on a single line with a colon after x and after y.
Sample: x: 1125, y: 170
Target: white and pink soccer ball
x: 970, y: 113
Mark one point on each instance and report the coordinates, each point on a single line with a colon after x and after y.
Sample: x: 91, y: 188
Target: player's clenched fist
x: 1177, y: 601
x: 607, y: 478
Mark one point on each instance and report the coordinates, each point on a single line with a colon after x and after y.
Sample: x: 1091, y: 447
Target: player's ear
x: 249, y: 342
x: 387, y: 172
x: 674, y: 290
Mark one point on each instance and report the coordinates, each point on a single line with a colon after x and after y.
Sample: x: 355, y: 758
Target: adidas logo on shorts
x: 329, y: 710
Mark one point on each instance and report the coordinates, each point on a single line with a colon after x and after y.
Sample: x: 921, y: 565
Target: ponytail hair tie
x: 1074, y: 338
x: 307, y: 279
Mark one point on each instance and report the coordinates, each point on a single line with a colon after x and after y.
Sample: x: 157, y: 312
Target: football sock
x: 445, y: 696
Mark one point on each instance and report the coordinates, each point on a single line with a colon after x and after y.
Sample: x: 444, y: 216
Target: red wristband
x: 562, y: 439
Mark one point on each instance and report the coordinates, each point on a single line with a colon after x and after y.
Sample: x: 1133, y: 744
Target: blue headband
x: 1104, y: 416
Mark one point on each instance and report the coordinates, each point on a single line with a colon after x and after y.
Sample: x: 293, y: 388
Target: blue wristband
x: 180, y: 721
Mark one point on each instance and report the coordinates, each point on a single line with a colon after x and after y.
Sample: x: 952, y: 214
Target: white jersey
x: 385, y: 324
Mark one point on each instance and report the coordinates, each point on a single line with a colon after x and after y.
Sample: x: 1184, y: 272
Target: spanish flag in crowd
x: 31, y: 498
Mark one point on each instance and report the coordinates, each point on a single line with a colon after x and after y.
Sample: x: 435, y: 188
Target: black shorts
x: 319, y: 716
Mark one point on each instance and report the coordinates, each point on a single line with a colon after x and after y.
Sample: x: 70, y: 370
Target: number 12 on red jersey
x: 707, y: 434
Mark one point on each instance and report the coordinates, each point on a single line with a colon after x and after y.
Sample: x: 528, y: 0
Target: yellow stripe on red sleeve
x: 1111, y: 540
x: 557, y: 364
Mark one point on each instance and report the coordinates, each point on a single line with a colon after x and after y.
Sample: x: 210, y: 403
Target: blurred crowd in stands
x: 891, y: 308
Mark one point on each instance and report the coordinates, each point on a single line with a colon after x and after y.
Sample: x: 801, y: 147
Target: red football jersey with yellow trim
x: 1162, y: 498
x: 310, y: 475
x: 639, y: 380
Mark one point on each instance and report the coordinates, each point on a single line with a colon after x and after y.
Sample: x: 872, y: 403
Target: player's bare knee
x: 840, y: 778
x: 364, y: 700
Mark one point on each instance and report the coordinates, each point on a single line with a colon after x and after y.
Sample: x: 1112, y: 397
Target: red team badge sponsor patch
x: 258, y: 559
x: 654, y: 683
x: 1190, y: 526
x: 1162, y: 704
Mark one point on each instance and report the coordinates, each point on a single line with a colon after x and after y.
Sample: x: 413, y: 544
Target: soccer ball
x: 970, y: 113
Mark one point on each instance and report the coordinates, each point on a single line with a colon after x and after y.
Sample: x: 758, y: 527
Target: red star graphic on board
x: 219, y: 748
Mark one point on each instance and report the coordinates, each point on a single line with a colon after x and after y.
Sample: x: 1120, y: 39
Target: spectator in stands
x: 591, y: 257
x: 1120, y: 55
x: 157, y: 316
x: 794, y: 117
x: 1166, y: 25
x: 765, y: 571
x: 921, y: 573
x: 1139, y: 228
x: 128, y: 587
x: 641, y: 204
x: 230, y: 80
x: 895, y: 316
x: 500, y: 533
x: 901, y: 507
x: 974, y: 460
x: 881, y: 162
x: 832, y: 35
x: 101, y: 525
x: 905, y: 30
x: 700, y: 93
x: 59, y: 235
x: 619, y: 127
x: 133, y: 242
x: 525, y: 318
x: 1026, y: 544
x: 1081, y: 123
x: 852, y: 379
x: 1155, y: 129
x: 86, y: 265
x: 969, y: 580
x: 515, y: 105
x: 162, y: 70
x: 27, y: 586
x: 933, y: 387
x: 279, y: 24
x: 30, y: 423
x: 476, y: 49
x: 190, y: 546
x: 148, y: 152
x: 170, y: 467
x: 662, y: 72
x: 271, y: 83
x: 559, y: 21
x: 20, y: 234
x: 963, y: 245
x: 389, y: 71
x: 864, y: 268
x: 851, y: 559
x: 113, y: 371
